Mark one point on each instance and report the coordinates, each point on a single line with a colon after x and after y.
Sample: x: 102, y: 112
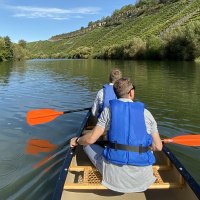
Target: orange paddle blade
x: 36, y: 146
x: 188, y: 140
x: 40, y: 116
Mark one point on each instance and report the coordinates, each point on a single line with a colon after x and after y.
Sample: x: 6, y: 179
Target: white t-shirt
x: 98, y: 102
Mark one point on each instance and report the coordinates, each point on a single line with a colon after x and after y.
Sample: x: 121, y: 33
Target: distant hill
x: 148, y: 29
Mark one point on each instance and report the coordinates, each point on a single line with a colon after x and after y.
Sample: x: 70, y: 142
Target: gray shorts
x: 95, y: 154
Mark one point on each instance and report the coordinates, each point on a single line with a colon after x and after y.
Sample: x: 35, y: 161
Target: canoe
x: 80, y: 179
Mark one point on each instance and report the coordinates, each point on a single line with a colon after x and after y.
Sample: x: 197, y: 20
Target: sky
x: 34, y: 20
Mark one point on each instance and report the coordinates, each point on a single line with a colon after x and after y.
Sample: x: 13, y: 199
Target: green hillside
x: 148, y: 29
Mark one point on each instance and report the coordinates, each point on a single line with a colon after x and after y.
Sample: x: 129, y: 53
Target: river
x: 170, y: 90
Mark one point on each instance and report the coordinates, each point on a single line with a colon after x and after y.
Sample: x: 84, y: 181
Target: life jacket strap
x: 139, y: 149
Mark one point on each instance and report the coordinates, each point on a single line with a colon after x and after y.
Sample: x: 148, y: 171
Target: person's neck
x: 126, y: 97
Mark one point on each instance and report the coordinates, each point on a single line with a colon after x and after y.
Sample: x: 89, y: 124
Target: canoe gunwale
x: 182, y: 170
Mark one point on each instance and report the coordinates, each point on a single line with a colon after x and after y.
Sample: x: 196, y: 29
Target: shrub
x: 134, y: 49
x: 183, y: 44
x: 154, y: 48
x: 81, y: 53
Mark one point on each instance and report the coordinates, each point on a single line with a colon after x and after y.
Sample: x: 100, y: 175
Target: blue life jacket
x: 127, y: 127
x: 108, y: 94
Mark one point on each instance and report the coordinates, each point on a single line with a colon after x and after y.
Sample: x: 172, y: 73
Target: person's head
x: 115, y: 74
x: 124, y: 88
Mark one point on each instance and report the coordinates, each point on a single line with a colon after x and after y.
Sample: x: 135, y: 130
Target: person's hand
x: 73, y: 142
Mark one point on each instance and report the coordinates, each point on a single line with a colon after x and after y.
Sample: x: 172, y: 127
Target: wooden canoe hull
x: 79, y: 179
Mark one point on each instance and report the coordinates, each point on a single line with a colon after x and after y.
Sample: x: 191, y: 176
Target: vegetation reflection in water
x: 170, y: 90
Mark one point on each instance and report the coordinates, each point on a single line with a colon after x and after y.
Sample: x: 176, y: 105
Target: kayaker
x: 126, y: 162
x: 106, y: 93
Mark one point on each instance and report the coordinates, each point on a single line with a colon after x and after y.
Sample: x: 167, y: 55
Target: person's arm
x: 152, y: 129
x: 156, y: 142
x: 92, y: 136
x: 88, y: 138
x: 97, y: 102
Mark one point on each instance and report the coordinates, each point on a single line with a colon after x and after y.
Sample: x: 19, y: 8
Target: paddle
x: 45, y: 115
x: 36, y: 146
x: 187, y: 140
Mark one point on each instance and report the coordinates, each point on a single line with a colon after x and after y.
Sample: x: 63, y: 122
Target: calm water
x: 170, y: 90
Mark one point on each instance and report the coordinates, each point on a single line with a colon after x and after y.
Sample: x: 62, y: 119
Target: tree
x: 8, y: 48
x: 180, y: 47
x: 22, y: 43
x: 134, y: 49
x: 2, y: 49
x: 154, y: 47
x: 90, y: 23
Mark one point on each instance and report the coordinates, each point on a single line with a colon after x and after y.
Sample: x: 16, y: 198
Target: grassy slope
x: 156, y: 21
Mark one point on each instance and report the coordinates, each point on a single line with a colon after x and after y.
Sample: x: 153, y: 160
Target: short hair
x: 115, y: 74
x: 122, y: 87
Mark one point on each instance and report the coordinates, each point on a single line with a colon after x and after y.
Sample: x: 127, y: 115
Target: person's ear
x: 132, y: 94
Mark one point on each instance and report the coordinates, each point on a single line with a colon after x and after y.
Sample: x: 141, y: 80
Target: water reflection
x: 5, y: 72
x: 36, y: 146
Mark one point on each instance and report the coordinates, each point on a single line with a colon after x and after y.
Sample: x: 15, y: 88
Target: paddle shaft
x: 186, y: 140
x: 77, y: 110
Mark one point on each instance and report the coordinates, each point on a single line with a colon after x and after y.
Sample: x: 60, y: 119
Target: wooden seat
x: 88, y: 177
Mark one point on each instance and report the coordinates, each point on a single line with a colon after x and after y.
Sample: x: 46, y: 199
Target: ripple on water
x: 7, y: 167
